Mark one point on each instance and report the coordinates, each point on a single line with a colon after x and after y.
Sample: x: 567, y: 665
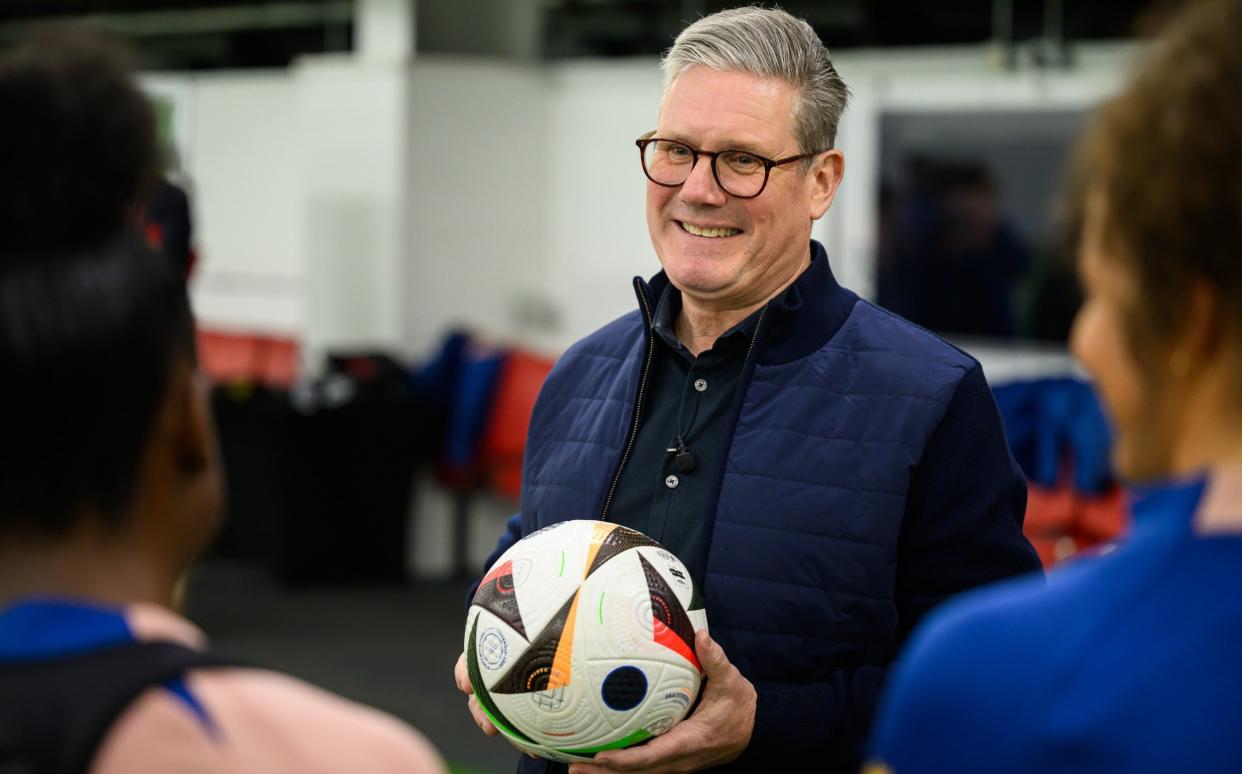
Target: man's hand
x: 462, y: 676
x: 716, y: 733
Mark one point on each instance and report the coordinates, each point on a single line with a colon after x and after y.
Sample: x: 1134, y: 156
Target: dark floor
x: 389, y: 646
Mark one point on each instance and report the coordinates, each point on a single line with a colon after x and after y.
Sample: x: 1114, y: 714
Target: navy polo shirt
x: 667, y: 485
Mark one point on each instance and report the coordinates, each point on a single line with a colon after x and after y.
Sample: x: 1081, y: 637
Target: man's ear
x: 824, y: 179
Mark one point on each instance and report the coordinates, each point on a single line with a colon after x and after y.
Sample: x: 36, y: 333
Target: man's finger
x: 461, y: 676
x: 480, y: 717
x: 620, y: 764
x: 662, y: 749
x: 711, y: 655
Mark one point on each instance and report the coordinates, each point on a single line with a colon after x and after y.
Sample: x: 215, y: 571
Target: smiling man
x: 828, y: 472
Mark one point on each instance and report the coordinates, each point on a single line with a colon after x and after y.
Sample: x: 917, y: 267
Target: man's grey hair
x: 770, y: 43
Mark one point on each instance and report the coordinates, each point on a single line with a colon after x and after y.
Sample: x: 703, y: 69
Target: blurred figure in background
x: 109, y: 476
x: 167, y: 224
x: 952, y: 260
x: 1128, y: 662
x: 165, y: 216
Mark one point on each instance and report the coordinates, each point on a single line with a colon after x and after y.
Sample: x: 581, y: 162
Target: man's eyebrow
x: 676, y: 137
x: 749, y: 148
x: 739, y: 145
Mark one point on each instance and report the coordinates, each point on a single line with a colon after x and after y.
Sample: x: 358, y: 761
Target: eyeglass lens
x: 670, y: 163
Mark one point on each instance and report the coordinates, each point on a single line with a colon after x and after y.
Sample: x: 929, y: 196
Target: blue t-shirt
x: 1128, y: 662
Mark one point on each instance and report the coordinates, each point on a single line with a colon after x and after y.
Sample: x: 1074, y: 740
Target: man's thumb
x: 711, y: 655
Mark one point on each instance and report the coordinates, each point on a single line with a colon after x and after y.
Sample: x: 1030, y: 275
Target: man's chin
x: 701, y: 269
x: 698, y: 285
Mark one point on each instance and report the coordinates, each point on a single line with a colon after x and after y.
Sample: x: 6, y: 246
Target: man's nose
x: 701, y: 186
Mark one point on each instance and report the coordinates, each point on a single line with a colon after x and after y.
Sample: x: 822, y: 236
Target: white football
x: 580, y: 639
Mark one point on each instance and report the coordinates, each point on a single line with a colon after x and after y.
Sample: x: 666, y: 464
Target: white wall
x: 353, y: 202
x: 238, y: 134
x: 596, y: 207
x: 298, y: 188
x: 527, y: 197
x: 478, y: 248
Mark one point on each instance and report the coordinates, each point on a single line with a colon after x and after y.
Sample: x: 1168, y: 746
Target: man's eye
x: 743, y: 162
x: 677, y: 151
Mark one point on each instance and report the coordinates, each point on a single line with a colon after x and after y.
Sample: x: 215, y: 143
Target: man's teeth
x: 710, y: 232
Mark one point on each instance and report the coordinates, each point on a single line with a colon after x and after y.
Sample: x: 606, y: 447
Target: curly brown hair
x: 1165, y: 160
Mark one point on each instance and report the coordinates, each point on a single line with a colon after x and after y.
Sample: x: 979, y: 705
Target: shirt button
x: 700, y: 385
x: 672, y: 481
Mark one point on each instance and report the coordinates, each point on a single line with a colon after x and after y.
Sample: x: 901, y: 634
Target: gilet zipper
x: 638, y: 405
x: 754, y: 337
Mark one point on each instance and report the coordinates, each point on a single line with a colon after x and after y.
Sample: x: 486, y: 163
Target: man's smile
x: 710, y: 232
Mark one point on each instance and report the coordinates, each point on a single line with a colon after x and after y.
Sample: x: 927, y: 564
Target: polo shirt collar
x: 800, y: 320
x: 664, y: 323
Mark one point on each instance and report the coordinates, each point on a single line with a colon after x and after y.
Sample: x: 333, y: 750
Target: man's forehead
x: 743, y: 108
x: 701, y: 82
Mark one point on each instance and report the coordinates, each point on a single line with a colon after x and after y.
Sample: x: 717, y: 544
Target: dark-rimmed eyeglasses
x: 738, y: 173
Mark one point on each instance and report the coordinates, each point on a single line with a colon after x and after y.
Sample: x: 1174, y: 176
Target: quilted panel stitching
x: 802, y: 533
x: 733, y: 470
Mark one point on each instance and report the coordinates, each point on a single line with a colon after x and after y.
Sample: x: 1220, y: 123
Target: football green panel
x: 641, y: 735
x: 480, y: 691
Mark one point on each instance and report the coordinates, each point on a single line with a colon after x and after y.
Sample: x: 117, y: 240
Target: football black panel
x: 480, y: 690
x: 532, y: 670
x: 619, y: 540
x: 666, y: 606
x: 624, y: 688
x: 497, y: 595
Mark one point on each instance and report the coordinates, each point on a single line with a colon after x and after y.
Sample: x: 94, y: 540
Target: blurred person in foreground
x: 109, y: 474
x: 1128, y: 662
x: 827, y: 471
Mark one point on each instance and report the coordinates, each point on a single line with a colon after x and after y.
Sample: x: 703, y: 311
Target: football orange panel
x: 601, y: 531
x: 562, y: 663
